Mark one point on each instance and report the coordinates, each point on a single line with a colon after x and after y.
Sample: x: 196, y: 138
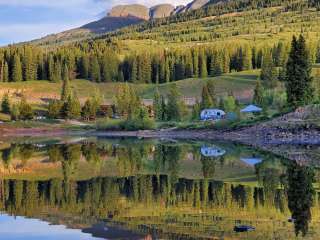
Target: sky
x: 24, y: 20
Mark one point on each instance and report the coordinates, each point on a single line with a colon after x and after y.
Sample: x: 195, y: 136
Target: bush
x: 137, y: 124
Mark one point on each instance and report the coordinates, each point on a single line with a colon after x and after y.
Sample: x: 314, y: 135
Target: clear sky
x: 23, y: 20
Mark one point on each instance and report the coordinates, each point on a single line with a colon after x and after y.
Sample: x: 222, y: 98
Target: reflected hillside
x: 163, y: 206
x: 88, y: 158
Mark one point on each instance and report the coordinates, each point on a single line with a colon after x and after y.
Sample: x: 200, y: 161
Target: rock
x: 133, y: 10
x: 161, y: 11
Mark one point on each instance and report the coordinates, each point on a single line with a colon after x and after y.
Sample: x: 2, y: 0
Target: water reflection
x: 146, y: 194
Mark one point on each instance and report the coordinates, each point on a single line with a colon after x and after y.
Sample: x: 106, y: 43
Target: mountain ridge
x: 122, y: 16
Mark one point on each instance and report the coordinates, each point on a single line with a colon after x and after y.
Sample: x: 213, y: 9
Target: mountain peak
x: 132, y: 10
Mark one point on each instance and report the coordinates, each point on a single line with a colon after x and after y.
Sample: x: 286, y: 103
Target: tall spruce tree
x: 16, y: 69
x: 298, y: 74
x: 95, y: 74
x: 174, y: 106
x: 206, y: 100
x: 5, y: 73
x: 157, y: 106
x: 269, y: 74
x: 5, y: 104
x: 66, y: 89
x: 258, y: 94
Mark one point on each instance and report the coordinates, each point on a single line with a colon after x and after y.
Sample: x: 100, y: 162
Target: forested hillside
x: 220, y: 38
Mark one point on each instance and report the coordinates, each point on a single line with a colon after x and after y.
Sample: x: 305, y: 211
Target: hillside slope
x: 120, y: 16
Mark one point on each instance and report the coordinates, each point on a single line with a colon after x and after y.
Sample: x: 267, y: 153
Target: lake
x: 101, y: 188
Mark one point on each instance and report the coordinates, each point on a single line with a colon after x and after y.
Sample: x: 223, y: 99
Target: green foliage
x: 91, y: 107
x: 157, y: 106
x: 5, y: 104
x: 174, y: 106
x: 127, y: 101
x: 54, y: 109
x: 17, y: 69
x: 298, y: 74
x: 22, y: 111
x: 206, y: 99
x: 258, y: 95
x: 229, y: 104
x: 71, y: 109
x: 269, y: 74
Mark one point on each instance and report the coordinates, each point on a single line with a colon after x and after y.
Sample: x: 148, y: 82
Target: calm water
x: 89, y: 188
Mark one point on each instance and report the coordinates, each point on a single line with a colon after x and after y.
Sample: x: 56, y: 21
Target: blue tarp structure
x: 251, y: 109
x: 251, y: 160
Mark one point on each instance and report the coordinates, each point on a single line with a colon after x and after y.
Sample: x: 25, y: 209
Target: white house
x: 212, y: 114
x: 212, y: 151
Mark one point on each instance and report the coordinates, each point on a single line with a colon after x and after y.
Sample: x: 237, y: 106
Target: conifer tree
x: 206, y: 101
x: 95, y: 74
x: 25, y: 110
x: 16, y: 69
x: 203, y: 64
x: 298, y: 74
x: 268, y: 71
x: 196, y: 109
x: 258, y: 94
x: 5, y: 104
x: 66, y: 89
x: 51, y: 69
x: 84, y: 69
x: 174, y: 104
x: 212, y: 92
x: 5, y: 73
x: 157, y: 106
x: 134, y: 71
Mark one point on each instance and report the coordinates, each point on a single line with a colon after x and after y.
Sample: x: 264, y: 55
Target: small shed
x: 251, y: 109
x: 212, y: 114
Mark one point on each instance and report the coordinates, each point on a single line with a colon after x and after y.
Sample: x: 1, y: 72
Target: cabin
x: 212, y: 151
x: 212, y: 114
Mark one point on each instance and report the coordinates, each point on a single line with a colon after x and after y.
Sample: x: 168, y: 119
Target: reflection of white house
x: 251, y: 161
x: 212, y: 151
x: 212, y: 114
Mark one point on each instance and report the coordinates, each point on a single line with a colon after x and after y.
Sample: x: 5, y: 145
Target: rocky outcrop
x: 133, y: 10
x: 161, y: 11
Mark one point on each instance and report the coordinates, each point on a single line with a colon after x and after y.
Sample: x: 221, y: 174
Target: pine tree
x: 51, y: 69
x: 95, y: 74
x: 25, y: 110
x: 29, y: 67
x: 203, y: 64
x: 298, y: 74
x: 206, y: 101
x: 84, y: 68
x: 157, y: 106
x: 16, y: 69
x: 174, y: 106
x: 134, y: 71
x: 212, y: 92
x: 196, y: 109
x: 247, y: 59
x: 5, y: 73
x: 66, y: 89
x: 65, y: 73
x: 258, y: 94
x: 268, y: 74
x: 5, y: 104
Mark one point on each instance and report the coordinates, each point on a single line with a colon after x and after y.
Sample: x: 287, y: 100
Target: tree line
x: 99, y: 61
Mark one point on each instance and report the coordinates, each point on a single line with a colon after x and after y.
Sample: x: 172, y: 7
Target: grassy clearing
x: 38, y: 92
